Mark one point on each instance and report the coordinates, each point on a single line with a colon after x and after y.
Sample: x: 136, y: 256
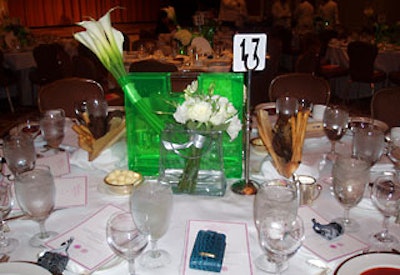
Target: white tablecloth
x: 231, y: 207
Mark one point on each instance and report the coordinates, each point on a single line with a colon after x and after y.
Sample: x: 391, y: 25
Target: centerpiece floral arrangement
x: 204, y: 111
x: 106, y: 43
x: 14, y: 27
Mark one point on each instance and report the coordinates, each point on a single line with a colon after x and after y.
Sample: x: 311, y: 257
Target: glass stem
x: 346, y: 218
x: 43, y: 231
x: 385, y: 225
x: 333, y: 147
x: 3, y: 239
x: 131, y: 264
x: 155, y: 253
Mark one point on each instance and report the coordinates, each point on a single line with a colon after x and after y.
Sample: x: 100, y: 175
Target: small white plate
x: 20, y: 268
x: 367, y: 261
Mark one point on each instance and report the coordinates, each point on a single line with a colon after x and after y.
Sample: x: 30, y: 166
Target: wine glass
x: 151, y: 207
x: 274, y: 196
x: 385, y: 195
x: 281, y: 235
x: 335, y: 123
x: 7, y: 245
x: 35, y: 192
x: 124, y: 238
x: 350, y: 177
x: 52, y: 124
x: 30, y: 126
x: 19, y: 152
x: 368, y: 143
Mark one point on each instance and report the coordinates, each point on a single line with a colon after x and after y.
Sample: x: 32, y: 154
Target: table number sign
x: 249, y: 52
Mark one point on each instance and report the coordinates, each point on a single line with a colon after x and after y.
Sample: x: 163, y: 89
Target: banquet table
x: 21, y: 62
x: 387, y: 60
x: 229, y: 209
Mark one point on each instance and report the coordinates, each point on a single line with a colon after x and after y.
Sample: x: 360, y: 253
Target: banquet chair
x: 362, y: 57
x: 67, y: 92
x: 385, y: 105
x: 52, y: 63
x: 7, y: 79
x: 152, y: 65
x: 302, y: 86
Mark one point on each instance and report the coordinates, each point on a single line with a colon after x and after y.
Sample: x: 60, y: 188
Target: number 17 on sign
x: 249, y: 52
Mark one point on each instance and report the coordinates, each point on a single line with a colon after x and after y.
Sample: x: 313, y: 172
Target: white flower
x: 234, y: 127
x: 201, y: 112
x: 206, y: 111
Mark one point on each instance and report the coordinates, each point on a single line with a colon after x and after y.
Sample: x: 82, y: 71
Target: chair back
x: 301, y: 85
x: 152, y: 65
x: 52, y: 63
x: 385, y: 105
x: 362, y: 56
x: 67, y: 92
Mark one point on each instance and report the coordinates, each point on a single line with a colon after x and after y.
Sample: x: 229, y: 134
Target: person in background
x: 329, y: 12
x: 232, y: 13
x: 304, y: 16
x: 281, y: 14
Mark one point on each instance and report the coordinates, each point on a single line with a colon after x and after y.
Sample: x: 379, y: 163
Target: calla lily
x: 106, y: 43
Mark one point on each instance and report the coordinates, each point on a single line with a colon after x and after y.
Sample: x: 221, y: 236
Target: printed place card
x: 89, y: 248
x: 237, y: 258
x: 70, y: 192
x: 58, y: 163
x: 327, y: 250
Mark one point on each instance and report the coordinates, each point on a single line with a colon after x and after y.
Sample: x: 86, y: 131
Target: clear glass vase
x: 192, y: 161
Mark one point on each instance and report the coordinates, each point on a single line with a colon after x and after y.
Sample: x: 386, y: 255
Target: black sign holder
x: 246, y: 186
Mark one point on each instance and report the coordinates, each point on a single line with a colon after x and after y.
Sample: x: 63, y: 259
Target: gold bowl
x: 121, y: 182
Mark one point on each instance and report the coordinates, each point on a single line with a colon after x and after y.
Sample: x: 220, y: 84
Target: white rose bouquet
x: 206, y: 112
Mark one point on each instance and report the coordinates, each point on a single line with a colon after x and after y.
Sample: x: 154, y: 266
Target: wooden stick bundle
x: 298, y: 125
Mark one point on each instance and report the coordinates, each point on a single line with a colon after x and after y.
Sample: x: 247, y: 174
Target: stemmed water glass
x: 281, y: 236
x: 350, y: 176
x: 274, y: 197
x: 35, y: 192
x: 52, y: 124
x: 19, y: 152
x: 368, y: 143
x: 7, y: 245
x: 385, y: 195
x: 151, y: 207
x: 124, y: 238
x: 335, y: 123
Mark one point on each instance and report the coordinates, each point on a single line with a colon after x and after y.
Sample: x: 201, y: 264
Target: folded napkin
x: 268, y: 171
x: 111, y: 158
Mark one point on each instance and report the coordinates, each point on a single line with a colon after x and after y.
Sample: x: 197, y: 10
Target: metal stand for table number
x: 248, y: 55
x: 246, y: 186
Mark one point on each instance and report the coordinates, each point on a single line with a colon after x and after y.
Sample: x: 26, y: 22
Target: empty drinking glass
x: 350, y: 176
x: 368, y: 143
x: 385, y: 195
x: 7, y: 245
x: 274, y: 197
x: 125, y: 239
x: 281, y: 236
x: 52, y: 124
x: 19, y: 152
